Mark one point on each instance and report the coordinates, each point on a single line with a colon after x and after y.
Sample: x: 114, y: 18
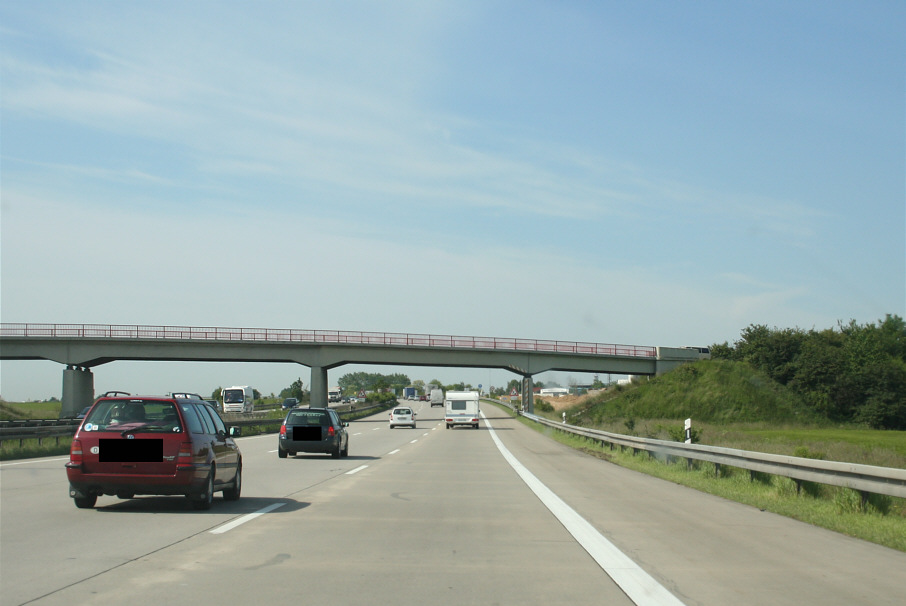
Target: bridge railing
x: 211, y: 333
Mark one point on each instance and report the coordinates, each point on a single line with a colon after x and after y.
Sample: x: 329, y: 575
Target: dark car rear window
x: 305, y: 417
x: 146, y: 416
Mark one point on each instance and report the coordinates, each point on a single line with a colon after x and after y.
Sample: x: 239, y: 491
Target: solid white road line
x: 246, y: 518
x: 33, y: 461
x: 637, y: 584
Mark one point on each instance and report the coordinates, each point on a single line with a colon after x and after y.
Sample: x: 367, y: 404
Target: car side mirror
x: 235, y: 431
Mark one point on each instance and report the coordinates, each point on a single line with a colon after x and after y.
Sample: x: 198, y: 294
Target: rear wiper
x: 137, y: 427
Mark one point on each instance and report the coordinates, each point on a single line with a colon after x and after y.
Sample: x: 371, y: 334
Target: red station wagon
x: 161, y: 445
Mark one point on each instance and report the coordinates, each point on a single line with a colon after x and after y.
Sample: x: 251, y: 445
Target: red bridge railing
x: 277, y: 335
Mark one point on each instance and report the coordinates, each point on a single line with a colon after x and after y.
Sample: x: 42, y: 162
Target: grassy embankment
x: 731, y: 405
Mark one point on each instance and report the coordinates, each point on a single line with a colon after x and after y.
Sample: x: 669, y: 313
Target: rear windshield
x: 458, y: 404
x: 139, y: 416
x: 402, y: 411
x: 305, y: 417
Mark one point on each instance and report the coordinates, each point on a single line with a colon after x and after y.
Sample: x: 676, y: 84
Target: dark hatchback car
x: 160, y: 445
x: 317, y: 430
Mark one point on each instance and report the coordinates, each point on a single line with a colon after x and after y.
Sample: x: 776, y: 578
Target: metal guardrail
x: 37, y: 428
x: 889, y: 481
x: 102, y: 331
x: 41, y: 429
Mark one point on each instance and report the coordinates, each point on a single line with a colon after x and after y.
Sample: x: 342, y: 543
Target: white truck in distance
x: 437, y: 397
x: 461, y: 408
x: 239, y: 398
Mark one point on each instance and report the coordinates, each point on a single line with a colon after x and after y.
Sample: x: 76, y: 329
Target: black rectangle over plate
x: 306, y: 434
x: 131, y: 451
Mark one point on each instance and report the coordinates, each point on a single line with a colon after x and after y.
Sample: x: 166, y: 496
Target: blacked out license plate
x: 131, y: 451
x: 306, y: 434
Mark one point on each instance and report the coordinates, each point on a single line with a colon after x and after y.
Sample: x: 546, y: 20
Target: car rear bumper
x: 320, y: 447
x: 188, y: 480
x: 461, y: 420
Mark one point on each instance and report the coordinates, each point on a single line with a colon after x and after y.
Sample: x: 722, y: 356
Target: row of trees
x: 353, y: 383
x: 851, y: 373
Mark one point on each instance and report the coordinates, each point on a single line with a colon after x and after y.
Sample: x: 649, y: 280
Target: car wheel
x: 205, y: 499
x: 86, y: 502
x: 335, y: 453
x: 281, y: 453
x: 345, y: 451
x: 125, y: 495
x: 232, y: 493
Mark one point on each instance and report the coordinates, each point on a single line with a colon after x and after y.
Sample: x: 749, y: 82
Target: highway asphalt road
x: 501, y: 515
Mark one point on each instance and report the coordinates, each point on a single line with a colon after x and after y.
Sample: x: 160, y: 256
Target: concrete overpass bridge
x: 81, y: 347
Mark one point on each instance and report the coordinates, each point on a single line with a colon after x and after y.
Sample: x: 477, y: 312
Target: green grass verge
x: 30, y: 410
x: 30, y: 449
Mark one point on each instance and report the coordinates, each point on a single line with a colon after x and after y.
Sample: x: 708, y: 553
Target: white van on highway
x: 239, y: 398
x: 461, y: 408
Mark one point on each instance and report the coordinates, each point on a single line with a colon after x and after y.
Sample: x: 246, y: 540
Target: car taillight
x: 75, y: 453
x: 185, y: 454
x: 283, y: 430
x: 331, y: 431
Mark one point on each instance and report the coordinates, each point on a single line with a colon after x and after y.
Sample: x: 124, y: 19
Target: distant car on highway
x: 402, y: 416
x: 314, y: 430
x: 290, y: 403
x: 160, y: 445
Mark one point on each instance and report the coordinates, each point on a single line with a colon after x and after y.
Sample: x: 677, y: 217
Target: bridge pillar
x: 318, y: 387
x: 78, y: 390
x: 528, y: 395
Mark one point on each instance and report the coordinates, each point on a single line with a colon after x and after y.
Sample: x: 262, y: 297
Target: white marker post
x: 688, y: 431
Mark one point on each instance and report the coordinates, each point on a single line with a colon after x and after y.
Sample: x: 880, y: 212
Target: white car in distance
x: 402, y: 416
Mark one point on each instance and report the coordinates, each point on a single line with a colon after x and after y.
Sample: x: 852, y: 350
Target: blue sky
x: 648, y: 173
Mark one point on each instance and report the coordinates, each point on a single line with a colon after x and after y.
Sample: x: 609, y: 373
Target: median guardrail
x: 41, y: 429
x: 889, y: 481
